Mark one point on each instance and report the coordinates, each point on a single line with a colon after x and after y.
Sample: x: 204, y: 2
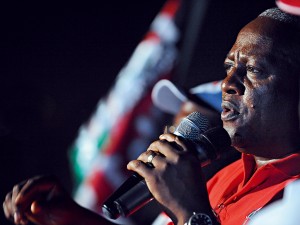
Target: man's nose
x: 233, y: 83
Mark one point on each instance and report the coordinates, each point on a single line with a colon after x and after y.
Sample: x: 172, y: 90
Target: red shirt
x: 238, y: 190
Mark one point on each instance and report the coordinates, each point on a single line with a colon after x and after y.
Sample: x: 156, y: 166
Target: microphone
x: 207, y: 144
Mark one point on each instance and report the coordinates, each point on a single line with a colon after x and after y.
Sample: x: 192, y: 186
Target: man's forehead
x: 261, y: 29
x: 253, y: 39
x: 266, y: 30
x: 251, y: 44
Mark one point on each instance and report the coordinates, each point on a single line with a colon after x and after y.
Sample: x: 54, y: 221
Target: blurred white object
x: 289, y: 6
x: 285, y: 211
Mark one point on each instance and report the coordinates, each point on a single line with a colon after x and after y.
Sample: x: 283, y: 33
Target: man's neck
x: 279, y: 150
x: 260, y: 161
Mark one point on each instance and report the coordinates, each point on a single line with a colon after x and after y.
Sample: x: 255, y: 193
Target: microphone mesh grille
x: 192, y: 126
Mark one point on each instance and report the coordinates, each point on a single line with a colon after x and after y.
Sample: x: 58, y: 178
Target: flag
x: 125, y: 121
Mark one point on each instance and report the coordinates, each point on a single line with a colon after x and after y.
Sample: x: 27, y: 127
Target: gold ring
x: 151, y: 157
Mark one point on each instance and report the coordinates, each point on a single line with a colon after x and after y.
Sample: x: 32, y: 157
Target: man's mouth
x: 230, y: 111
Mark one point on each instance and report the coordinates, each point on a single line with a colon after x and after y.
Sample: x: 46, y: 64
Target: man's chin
x: 237, y: 139
x: 241, y: 145
x: 241, y: 149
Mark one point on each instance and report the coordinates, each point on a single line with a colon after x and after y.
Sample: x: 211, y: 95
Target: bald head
x: 284, y: 31
x: 278, y: 15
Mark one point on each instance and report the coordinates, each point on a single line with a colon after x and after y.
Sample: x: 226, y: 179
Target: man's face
x: 256, y: 100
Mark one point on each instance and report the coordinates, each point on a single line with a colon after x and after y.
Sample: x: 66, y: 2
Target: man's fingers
x: 169, y: 137
x: 171, y: 150
x: 164, y: 138
x: 173, y: 138
x: 15, y: 193
x: 34, y: 189
x: 10, y: 210
x: 151, y: 157
x: 7, y: 207
x: 139, y: 167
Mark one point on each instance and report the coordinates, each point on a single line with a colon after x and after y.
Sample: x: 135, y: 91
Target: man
x: 260, y: 113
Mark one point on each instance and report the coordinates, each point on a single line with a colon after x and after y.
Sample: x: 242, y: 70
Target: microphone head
x: 209, y: 144
x: 192, y: 126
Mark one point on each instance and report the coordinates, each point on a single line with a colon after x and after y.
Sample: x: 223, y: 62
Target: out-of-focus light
x: 289, y: 6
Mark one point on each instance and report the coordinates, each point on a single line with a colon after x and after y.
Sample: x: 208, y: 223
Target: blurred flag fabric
x: 125, y: 122
x: 289, y: 6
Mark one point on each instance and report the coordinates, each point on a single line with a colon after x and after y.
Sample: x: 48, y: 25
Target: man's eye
x: 253, y: 69
x: 227, y: 66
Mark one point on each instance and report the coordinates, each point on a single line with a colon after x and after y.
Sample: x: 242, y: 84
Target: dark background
x: 57, y: 61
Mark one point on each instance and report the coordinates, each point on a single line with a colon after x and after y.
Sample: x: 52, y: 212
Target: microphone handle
x: 109, y: 208
x: 133, y: 199
x: 128, y: 198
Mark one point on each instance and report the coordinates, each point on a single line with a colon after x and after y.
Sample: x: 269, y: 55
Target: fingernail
x: 17, y: 217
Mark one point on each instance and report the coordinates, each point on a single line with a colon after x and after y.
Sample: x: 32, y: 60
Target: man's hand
x: 42, y: 200
x: 176, y: 181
